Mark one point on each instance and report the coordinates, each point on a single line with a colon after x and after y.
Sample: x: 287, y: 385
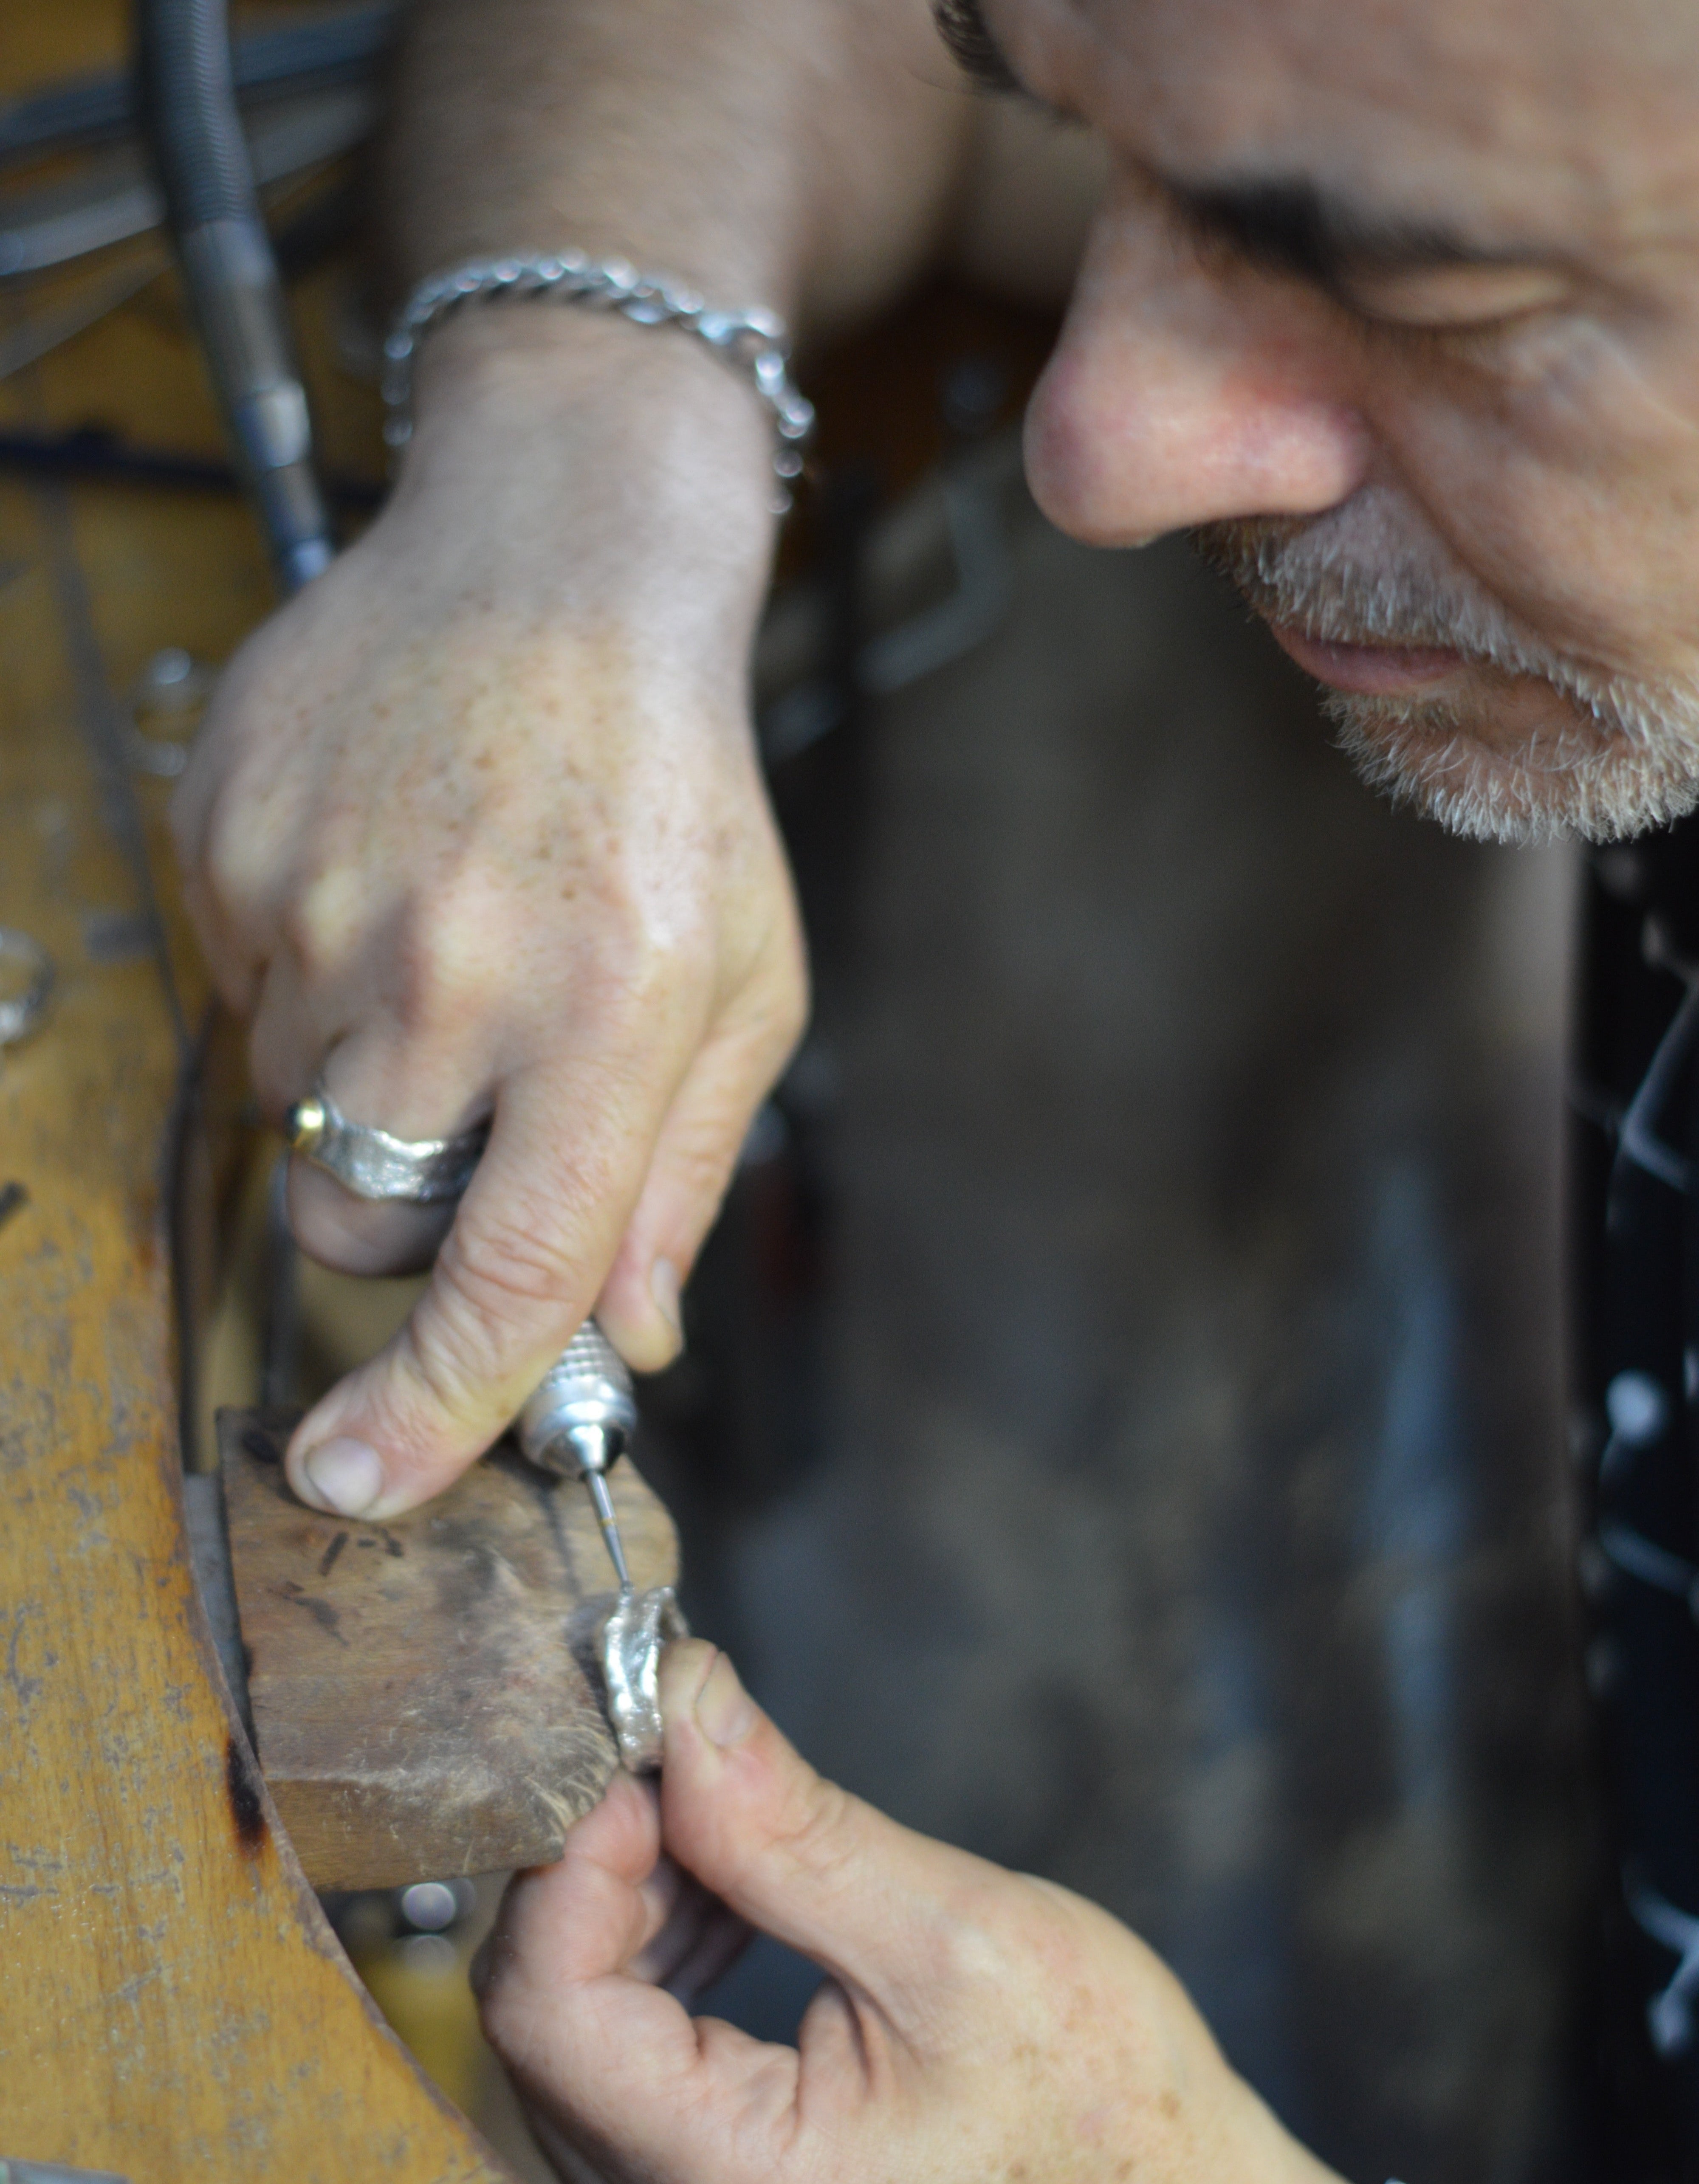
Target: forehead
x: 1572, y: 115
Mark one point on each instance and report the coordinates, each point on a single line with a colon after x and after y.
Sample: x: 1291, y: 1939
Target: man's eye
x: 1460, y: 296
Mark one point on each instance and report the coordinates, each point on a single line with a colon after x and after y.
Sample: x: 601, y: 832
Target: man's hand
x: 974, y: 2023
x: 478, y: 829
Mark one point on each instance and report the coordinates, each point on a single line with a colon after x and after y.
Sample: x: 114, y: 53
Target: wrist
x: 595, y: 384
x: 626, y: 458
x: 752, y: 340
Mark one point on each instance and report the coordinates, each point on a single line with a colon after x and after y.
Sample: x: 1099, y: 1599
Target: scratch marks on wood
x: 259, y: 1445
x: 327, y: 1560
x: 384, y: 1539
x: 44, y: 1868
x: 321, y: 1610
x: 25, y: 1689
x: 130, y: 1988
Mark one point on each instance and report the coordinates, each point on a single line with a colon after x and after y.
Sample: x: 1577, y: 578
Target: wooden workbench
x: 172, y: 2003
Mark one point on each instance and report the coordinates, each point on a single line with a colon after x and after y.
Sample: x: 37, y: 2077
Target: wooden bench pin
x: 445, y: 1692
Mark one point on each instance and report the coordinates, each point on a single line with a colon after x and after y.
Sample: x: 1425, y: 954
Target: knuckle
x: 226, y: 849
x: 703, y: 1167
x: 437, y: 1363
x: 511, y: 1262
x: 447, y: 963
x: 489, y: 1291
x: 320, y: 919
x: 788, y: 1018
x: 817, y: 1831
x: 640, y: 971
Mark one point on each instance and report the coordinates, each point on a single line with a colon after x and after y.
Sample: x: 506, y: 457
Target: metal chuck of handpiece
x: 580, y: 1422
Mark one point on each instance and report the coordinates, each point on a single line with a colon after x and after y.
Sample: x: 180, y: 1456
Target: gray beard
x: 1369, y: 571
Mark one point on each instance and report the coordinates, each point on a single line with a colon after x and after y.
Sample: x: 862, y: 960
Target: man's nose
x: 1179, y: 395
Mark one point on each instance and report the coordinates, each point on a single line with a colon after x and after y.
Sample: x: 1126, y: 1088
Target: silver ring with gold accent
x: 22, y: 1013
x: 371, y: 1164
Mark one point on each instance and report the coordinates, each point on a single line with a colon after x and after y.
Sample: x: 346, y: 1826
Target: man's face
x: 1396, y: 302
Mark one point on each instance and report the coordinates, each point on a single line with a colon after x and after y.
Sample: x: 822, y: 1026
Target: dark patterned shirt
x: 1636, y: 1234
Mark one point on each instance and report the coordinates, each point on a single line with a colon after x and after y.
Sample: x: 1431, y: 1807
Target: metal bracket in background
x: 927, y: 641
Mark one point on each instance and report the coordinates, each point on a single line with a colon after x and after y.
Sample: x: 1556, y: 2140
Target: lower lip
x: 1370, y: 669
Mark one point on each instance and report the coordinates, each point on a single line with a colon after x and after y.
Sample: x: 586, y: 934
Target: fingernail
x: 664, y: 1287
x: 347, y: 1474
x: 725, y: 1710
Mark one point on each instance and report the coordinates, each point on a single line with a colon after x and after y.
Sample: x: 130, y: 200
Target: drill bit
x: 605, y: 1517
x: 580, y: 1421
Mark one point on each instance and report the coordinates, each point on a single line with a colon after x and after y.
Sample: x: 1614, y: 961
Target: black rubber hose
x: 186, y: 97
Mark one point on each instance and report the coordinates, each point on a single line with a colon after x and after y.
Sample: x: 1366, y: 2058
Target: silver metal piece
x: 373, y: 1165
x: 23, y: 1012
x: 756, y: 339
x: 579, y: 1420
x: 639, y: 1625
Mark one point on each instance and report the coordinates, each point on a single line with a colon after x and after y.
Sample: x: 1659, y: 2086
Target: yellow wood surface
x: 172, y: 2005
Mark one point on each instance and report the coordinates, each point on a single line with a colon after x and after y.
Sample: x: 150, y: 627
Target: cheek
x: 1588, y: 536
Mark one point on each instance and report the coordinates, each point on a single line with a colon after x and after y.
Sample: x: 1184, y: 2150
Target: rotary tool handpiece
x: 580, y: 1421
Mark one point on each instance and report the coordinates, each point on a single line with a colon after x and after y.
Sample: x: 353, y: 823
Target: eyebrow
x: 1289, y: 225
x: 1285, y: 223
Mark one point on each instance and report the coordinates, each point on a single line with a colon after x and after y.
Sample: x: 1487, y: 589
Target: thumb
x: 871, y: 1902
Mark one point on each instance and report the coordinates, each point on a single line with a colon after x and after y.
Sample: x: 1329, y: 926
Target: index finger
x: 528, y: 1254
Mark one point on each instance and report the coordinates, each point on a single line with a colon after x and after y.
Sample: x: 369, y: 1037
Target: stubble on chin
x: 1624, y: 759
x: 1429, y: 755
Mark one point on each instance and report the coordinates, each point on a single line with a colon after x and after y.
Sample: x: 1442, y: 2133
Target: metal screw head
x: 428, y: 1906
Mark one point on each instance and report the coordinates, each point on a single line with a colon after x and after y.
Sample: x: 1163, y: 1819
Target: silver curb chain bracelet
x: 755, y: 340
